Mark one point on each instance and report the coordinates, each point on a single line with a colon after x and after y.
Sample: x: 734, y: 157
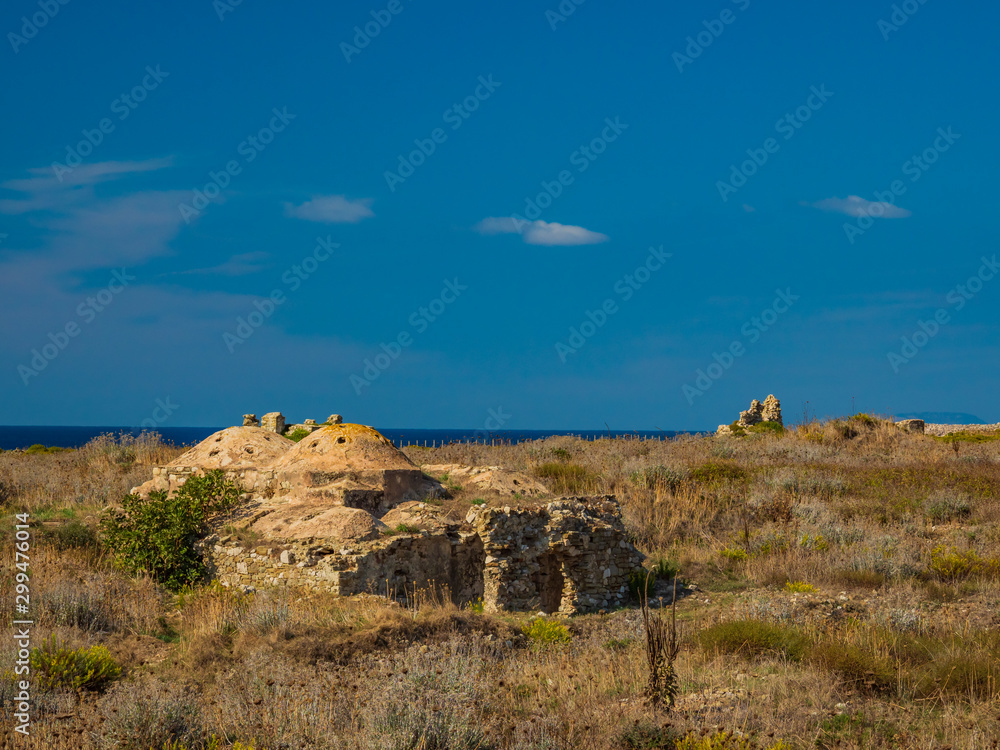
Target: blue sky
x: 282, y: 212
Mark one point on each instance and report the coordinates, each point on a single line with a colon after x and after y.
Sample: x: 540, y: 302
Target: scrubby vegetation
x: 840, y: 585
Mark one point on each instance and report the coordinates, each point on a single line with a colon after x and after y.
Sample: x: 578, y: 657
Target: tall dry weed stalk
x: 662, y: 649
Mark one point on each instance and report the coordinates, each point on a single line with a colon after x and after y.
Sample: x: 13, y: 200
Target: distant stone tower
x: 273, y: 422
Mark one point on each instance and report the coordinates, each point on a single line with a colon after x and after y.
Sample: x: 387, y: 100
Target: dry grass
x: 888, y: 637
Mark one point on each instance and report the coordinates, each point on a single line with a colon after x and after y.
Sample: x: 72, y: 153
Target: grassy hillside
x: 840, y: 589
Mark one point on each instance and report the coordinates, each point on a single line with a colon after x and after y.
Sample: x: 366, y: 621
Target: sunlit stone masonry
x: 345, y: 511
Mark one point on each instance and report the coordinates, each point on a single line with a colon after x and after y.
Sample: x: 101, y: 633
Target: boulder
x: 911, y: 425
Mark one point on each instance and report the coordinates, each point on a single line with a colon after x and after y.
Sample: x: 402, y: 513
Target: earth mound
x: 489, y: 479
x: 235, y: 448
x: 295, y: 521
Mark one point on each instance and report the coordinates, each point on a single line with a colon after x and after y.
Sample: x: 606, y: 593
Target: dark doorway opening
x: 550, y: 582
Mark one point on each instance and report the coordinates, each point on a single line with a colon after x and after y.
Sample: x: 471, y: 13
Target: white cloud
x: 45, y: 191
x: 331, y: 209
x: 854, y: 205
x: 540, y: 232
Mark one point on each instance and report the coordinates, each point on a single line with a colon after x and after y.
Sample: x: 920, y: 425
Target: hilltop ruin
x: 345, y: 511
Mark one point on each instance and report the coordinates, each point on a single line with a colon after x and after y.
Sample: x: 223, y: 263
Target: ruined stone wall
x: 570, y: 556
x: 448, y: 560
x: 171, y: 478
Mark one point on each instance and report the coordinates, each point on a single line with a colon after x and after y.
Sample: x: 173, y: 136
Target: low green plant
x: 968, y: 437
x: 156, y: 535
x: 562, y: 454
x: 39, y: 449
x: 478, y: 501
x: 646, y: 736
x: 754, y: 638
x: 653, y: 477
x: 297, y: 435
x: 767, y: 428
x: 544, y: 632
x: 58, y: 667
x: 723, y: 740
x: 950, y: 564
x: 733, y: 554
x: 799, y: 587
x: 565, y: 477
x: 476, y: 606
x: 716, y: 472
x: 72, y: 535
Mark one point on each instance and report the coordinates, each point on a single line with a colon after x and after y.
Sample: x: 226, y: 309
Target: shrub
x: 723, y: 741
x: 947, y: 506
x: 561, y: 453
x: 733, y: 554
x: 58, y: 667
x: 478, y: 501
x: 565, y: 477
x: 767, y: 428
x: 298, y: 434
x: 653, y: 477
x: 157, y: 535
x: 543, y: 632
x: 648, y: 737
x: 715, y: 472
x: 72, y: 535
x: 753, y: 638
x: 951, y: 564
x: 800, y: 587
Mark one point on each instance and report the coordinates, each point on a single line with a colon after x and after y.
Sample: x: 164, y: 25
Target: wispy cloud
x: 540, y: 232
x: 331, y: 209
x: 854, y: 205
x: 238, y: 265
x: 44, y: 191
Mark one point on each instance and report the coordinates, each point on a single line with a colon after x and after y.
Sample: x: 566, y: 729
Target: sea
x: 74, y: 437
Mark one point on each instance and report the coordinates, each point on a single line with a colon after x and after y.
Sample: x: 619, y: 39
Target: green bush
x: 564, y: 477
x: 72, y: 535
x: 544, y: 632
x: 767, y: 428
x: 657, y: 476
x: 752, y: 638
x: 298, y: 434
x: 157, y: 535
x: 58, y: 667
x: 715, y: 472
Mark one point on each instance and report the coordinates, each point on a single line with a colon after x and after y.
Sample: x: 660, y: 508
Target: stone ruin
x: 768, y: 411
x: 344, y: 511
